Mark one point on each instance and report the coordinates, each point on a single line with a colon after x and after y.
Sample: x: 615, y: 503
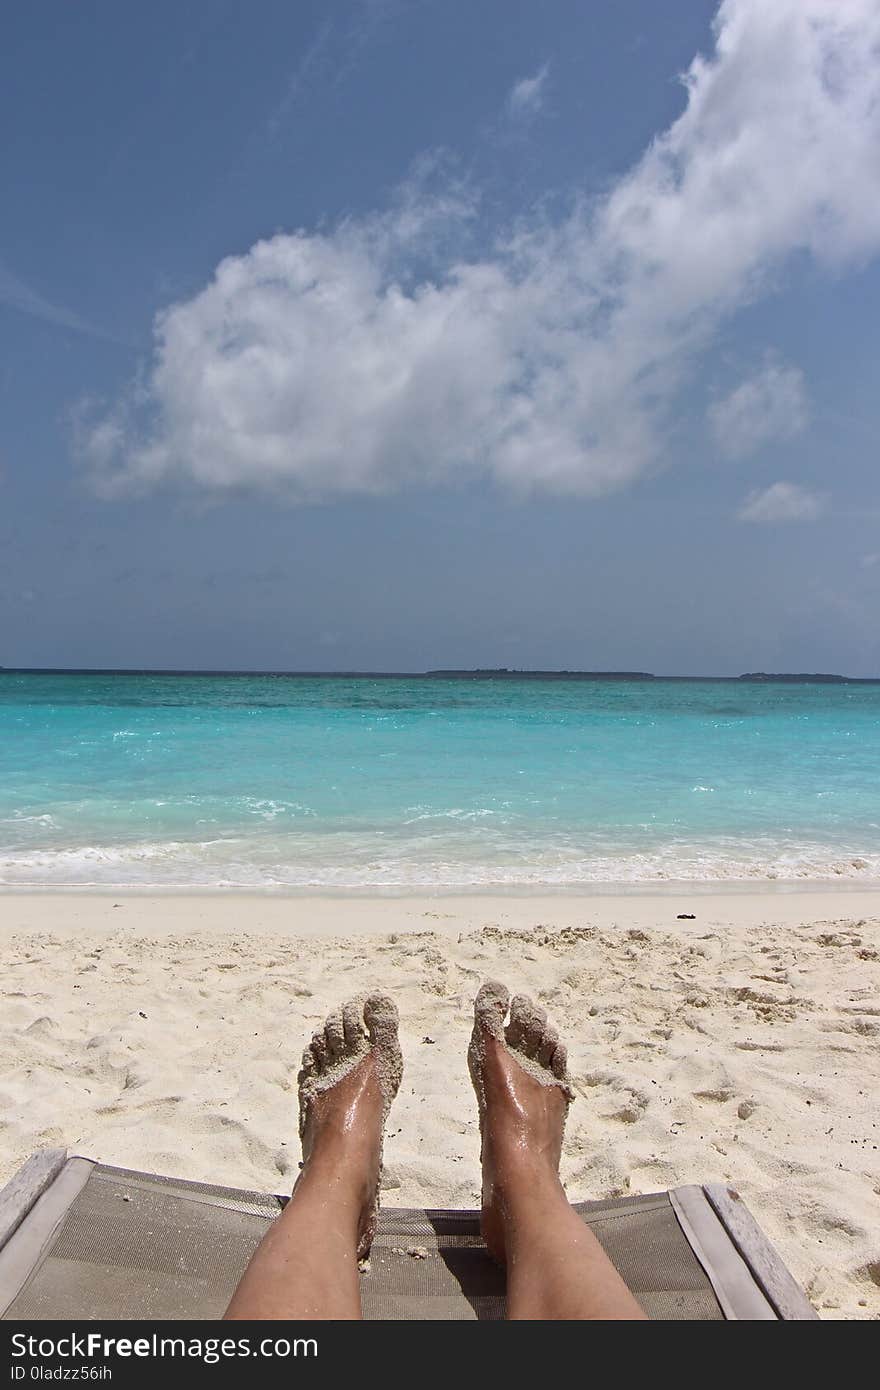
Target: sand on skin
x: 743, y: 1046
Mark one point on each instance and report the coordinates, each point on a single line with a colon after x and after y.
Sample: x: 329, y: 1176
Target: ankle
x: 518, y: 1172
x: 334, y: 1168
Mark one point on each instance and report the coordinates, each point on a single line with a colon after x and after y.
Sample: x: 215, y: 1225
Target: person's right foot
x: 520, y: 1076
x: 350, y: 1074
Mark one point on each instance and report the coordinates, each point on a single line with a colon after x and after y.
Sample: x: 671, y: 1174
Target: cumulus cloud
x: 385, y: 353
x: 782, y: 502
x: 527, y: 95
x: 769, y: 406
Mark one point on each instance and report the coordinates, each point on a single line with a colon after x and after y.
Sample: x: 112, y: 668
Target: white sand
x: 165, y: 1033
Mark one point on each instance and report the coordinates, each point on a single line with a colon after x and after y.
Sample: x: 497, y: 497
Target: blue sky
x: 392, y: 334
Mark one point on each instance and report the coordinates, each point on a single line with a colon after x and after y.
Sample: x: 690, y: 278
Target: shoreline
x: 339, y: 915
x: 616, y: 888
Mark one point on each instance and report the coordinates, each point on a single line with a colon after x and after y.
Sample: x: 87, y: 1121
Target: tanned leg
x: 307, y: 1264
x: 556, y: 1268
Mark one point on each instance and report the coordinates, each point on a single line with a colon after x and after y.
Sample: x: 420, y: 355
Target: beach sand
x: 165, y: 1032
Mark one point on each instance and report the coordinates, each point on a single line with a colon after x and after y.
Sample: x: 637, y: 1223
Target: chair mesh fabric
x: 139, y: 1246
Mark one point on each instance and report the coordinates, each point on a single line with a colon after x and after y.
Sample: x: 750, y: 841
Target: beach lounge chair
x: 79, y: 1240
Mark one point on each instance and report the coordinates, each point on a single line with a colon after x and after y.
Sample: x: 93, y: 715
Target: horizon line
x: 444, y: 673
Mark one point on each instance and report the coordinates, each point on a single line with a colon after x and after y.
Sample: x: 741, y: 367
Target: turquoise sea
x: 345, y: 783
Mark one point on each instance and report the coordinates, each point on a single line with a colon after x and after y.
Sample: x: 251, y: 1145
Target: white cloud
x: 527, y: 95
x: 869, y: 561
x: 771, y: 405
x: 380, y: 354
x: 782, y: 502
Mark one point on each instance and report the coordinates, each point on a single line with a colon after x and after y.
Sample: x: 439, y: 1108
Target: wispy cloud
x: 333, y: 54
x: 305, y: 74
x: 527, y: 96
x: 768, y: 406
x: 383, y: 354
x: 782, y: 502
x: 18, y: 295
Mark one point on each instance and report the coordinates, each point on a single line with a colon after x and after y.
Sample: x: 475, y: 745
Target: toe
x: 547, y: 1046
x: 559, y: 1062
x: 309, y: 1066
x: 334, y: 1033
x: 536, y: 1026
x: 515, y: 1032
x: 319, y: 1050
x: 353, y: 1024
x: 526, y: 1027
x: 381, y: 1018
x: 490, y: 1008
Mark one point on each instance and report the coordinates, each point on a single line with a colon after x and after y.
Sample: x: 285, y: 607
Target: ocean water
x: 332, y: 783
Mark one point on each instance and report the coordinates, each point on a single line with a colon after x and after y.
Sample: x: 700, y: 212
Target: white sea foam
x: 240, y: 863
x: 19, y: 818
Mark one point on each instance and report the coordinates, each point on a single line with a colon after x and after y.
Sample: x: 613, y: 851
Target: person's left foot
x: 350, y: 1074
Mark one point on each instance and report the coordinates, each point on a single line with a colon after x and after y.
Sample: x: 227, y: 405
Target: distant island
x: 815, y: 676
x: 503, y: 673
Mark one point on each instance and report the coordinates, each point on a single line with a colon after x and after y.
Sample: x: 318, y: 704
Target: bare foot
x: 523, y: 1092
x: 350, y: 1074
